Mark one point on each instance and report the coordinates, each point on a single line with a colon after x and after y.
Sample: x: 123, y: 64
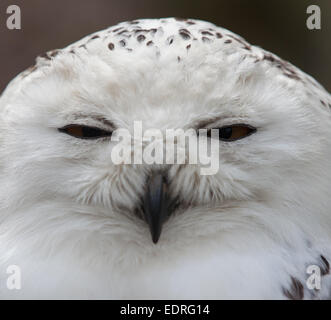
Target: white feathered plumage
x: 250, y: 231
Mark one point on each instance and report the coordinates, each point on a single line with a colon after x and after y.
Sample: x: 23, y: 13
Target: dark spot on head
x: 245, y: 44
x: 170, y: 40
x: 190, y: 22
x: 205, y: 39
x: 185, y: 30
x: 140, y: 30
x: 188, y: 46
x: 296, y: 290
x: 185, y: 34
x: 44, y: 56
x: 323, y: 103
x: 123, y: 31
x: 325, y: 268
x: 141, y: 38
x: 72, y: 51
x: 117, y: 29
x: 111, y: 46
x: 285, y: 66
x: 244, y: 58
x: 54, y: 53
x: 82, y: 46
x: 206, y: 33
x: 218, y: 35
x: 292, y: 76
x: 153, y: 31
x: 122, y: 43
x: 269, y: 57
x: 129, y: 49
x: 227, y: 41
x: 149, y: 43
x: 95, y: 37
x: 134, y: 22
x: 178, y: 58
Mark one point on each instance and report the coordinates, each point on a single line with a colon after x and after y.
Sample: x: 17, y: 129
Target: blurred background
x: 276, y: 25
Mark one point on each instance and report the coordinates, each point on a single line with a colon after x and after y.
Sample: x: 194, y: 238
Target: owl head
x: 58, y: 118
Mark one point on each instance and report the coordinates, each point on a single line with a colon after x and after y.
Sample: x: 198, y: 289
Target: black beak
x: 156, y: 204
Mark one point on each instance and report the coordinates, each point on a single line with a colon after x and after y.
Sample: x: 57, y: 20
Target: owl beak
x: 156, y: 204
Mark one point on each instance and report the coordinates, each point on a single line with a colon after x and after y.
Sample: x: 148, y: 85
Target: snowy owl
x: 77, y: 226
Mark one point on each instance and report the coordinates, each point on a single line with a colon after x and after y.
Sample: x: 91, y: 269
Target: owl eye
x: 234, y: 132
x: 85, y: 132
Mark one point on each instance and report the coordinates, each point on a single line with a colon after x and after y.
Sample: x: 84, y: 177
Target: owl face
x: 56, y: 133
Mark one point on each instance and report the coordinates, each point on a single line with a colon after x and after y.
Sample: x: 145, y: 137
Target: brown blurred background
x: 276, y: 25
